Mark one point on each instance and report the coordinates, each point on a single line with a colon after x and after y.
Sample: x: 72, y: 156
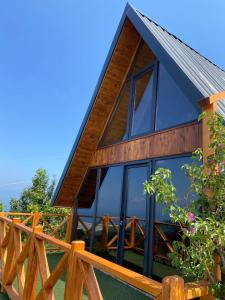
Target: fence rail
x: 57, y: 225
x: 79, y: 265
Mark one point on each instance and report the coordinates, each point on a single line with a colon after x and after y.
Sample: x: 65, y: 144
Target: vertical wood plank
x: 69, y: 228
x: 36, y: 217
x: 32, y: 269
x: 211, y: 108
x: 9, y: 258
x: 105, y: 232
x: 2, y: 250
x: 133, y: 231
x: 90, y: 281
x: 173, y: 288
x: 19, y: 266
x: 74, y: 280
x: 43, y: 266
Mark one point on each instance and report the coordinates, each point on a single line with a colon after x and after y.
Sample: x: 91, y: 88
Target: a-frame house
x: 143, y: 115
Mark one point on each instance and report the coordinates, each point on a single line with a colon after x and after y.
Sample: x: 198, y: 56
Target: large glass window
x: 86, y: 206
x: 116, y: 220
x: 147, y: 103
x: 166, y: 232
x: 143, y: 104
x: 173, y: 107
x: 117, y: 129
x: 108, y: 212
x: 132, y: 116
x: 135, y: 218
x: 180, y: 181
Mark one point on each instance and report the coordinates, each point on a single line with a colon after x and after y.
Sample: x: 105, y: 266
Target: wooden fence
x: 79, y: 265
x: 56, y: 225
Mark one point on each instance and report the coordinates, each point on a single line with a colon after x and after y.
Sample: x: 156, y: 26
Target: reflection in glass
x: 142, y: 114
x: 108, y: 212
x: 135, y: 219
x: 173, y: 107
x: 117, y: 129
x: 143, y: 59
x: 86, y: 206
x: 165, y: 232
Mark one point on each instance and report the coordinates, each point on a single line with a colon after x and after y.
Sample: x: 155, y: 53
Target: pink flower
x: 223, y: 163
x: 191, y: 217
x: 211, y: 161
x: 192, y: 231
x: 219, y: 170
x: 221, y: 146
x: 208, y: 172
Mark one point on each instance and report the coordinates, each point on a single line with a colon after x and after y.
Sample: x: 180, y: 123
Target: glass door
x: 107, y: 218
x: 134, y: 218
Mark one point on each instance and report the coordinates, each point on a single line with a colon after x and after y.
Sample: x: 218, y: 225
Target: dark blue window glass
x: 173, y: 107
x: 109, y: 194
x: 86, y: 206
x: 117, y: 128
x: 180, y: 181
x: 135, y: 218
x: 143, y: 104
x: 108, y: 212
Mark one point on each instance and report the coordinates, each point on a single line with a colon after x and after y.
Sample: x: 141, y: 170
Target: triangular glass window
x: 173, y: 107
x: 134, y: 101
x: 143, y: 104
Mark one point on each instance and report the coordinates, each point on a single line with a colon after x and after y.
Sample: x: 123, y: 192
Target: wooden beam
x: 174, y: 141
x: 212, y: 99
x: 211, y: 108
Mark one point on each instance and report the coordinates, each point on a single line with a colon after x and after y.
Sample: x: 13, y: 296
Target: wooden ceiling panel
x: 113, y: 80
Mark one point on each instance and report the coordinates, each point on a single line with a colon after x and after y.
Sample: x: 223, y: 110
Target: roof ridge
x: 177, y: 38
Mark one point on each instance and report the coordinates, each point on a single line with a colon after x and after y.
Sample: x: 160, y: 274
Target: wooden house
x: 143, y: 115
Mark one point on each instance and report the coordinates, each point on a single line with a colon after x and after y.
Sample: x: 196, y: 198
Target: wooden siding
x: 180, y: 140
x: 115, y: 76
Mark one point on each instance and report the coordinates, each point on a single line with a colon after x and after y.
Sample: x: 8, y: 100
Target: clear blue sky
x: 51, y: 54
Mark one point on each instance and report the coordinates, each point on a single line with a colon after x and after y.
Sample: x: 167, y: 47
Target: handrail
x: 78, y: 263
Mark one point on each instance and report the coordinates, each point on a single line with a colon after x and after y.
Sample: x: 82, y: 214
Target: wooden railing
x: 79, y: 265
x: 54, y: 224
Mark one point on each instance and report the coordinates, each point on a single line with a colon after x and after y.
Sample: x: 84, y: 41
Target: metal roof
x: 207, y: 77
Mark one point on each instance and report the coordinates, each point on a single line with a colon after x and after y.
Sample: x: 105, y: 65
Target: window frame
x: 155, y: 68
x: 150, y: 208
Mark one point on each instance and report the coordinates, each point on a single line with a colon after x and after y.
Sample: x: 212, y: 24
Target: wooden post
x: 211, y: 108
x: 36, y: 217
x: 173, y: 288
x: 2, y: 252
x: 19, y: 266
x: 32, y: 268
x: 74, y: 224
x: 133, y: 232
x: 74, y: 278
x: 105, y: 232
x: 9, y: 257
x: 69, y: 228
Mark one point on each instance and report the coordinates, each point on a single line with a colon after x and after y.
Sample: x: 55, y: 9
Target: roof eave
x: 90, y: 106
